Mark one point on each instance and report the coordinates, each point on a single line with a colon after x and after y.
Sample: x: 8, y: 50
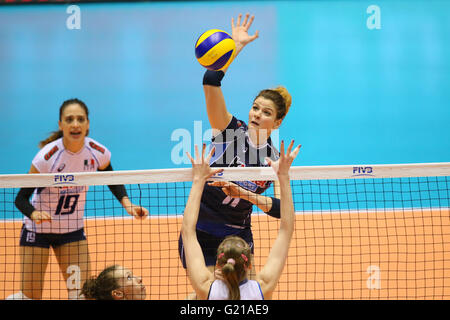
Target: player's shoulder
x: 240, y: 124
x: 95, y: 146
x: 236, y: 123
x: 50, y: 149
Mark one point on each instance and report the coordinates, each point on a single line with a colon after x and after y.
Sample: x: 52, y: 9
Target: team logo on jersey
x: 253, y: 185
x: 97, y: 147
x: 49, y: 154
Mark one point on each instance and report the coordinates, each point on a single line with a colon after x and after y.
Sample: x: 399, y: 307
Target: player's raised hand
x: 282, y: 165
x: 201, y: 170
x: 240, y: 31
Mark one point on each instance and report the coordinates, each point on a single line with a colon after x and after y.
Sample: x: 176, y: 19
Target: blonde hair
x: 281, y: 97
x: 234, y: 257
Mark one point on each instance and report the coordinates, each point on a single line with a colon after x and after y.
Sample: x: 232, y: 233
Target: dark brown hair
x: 101, y: 287
x: 58, y: 133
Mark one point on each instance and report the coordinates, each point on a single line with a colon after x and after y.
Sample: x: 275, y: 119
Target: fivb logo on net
x: 363, y: 171
x: 186, y: 141
x: 63, y: 179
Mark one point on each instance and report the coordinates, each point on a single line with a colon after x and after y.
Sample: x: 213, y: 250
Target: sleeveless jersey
x: 219, y: 214
x: 65, y: 204
x: 249, y: 289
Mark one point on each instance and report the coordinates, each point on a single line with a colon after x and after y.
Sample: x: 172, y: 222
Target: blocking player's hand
x: 201, y: 170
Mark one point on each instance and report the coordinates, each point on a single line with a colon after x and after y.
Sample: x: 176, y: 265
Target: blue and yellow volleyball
x: 215, y: 49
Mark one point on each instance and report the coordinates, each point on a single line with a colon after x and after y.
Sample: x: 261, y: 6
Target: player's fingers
x: 211, y: 153
x: 217, y: 183
x: 290, y: 147
x: 253, y: 37
x: 46, y: 216
x: 238, y: 23
x: 189, y: 156
x: 282, y: 149
x: 245, y: 21
x: 203, y: 152
x: 213, y: 172
x: 250, y: 22
x: 136, y: 212
x: 296, y: 150
x: 43, y: 217
x: 196, y: 153
x: 143, y: 212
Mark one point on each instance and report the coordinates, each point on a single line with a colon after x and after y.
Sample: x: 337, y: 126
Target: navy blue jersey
x: 219, y: 214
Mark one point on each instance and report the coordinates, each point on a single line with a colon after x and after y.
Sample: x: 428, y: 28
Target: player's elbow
x: 186, y: 230
x: 287, y: 226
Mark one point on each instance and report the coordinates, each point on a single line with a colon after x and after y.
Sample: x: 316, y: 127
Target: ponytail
x: 233, y: 258
x: 55, y: 135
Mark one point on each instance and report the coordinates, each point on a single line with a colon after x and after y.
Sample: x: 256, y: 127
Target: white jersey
x: 250, y: 290
x: 65, y: 204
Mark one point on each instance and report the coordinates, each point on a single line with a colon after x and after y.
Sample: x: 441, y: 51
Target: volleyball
x: 215, y: 49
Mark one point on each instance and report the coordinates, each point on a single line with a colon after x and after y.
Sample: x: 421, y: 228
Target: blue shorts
x: 209, y: 244
x: 46, y: 240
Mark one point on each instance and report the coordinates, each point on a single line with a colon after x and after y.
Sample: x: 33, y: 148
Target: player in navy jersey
x: 233, y: 254
x: 226, y: 208
x: 54, y: 217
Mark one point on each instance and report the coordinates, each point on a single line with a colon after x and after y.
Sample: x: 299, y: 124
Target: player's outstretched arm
x: 198, y: 273
x: 218, y: 115
x: 271, y: 272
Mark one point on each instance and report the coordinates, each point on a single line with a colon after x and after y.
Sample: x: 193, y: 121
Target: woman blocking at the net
x: 54, y: 217
x: 233, y: 254
x: 226, y: 208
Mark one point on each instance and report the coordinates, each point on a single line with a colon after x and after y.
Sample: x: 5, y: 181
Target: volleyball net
x: 362, y: 232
